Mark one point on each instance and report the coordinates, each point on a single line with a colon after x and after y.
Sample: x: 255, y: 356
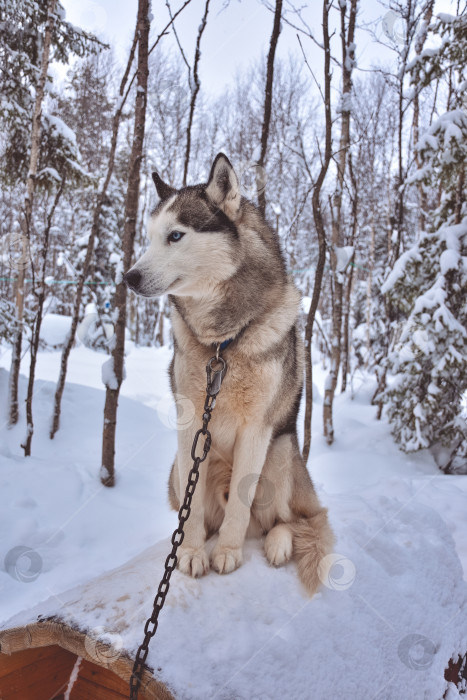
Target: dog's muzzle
x: 132, y: 279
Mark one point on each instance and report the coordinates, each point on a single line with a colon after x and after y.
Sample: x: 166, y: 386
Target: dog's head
x: 193, y: 237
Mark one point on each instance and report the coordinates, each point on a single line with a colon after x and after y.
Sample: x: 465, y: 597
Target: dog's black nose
x: 132, y: 279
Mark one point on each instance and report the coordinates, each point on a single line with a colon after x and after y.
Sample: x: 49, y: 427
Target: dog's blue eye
x: 175, y: 236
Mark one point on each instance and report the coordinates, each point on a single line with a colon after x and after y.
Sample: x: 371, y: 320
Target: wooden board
x: 44, y: 674
x: 35, y: 674
x: 51, y: 648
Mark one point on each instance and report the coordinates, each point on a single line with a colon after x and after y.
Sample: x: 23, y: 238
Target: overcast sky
x: 237, y: 32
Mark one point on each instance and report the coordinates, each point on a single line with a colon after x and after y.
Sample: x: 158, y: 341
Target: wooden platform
x: 38, y: 660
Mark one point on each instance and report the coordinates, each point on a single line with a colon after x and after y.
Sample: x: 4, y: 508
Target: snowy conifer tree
x: 426, y: 402
x: 38, y: 149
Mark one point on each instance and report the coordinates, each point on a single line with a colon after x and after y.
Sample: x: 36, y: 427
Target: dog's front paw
x: 226, y: 559
x: 278, y: 545
x: 193, y: 561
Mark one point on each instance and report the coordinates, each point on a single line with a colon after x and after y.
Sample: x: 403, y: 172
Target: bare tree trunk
x: 37, y: 324
x: 134, y: 326
x: 260, y: 180
x: 400, y: 179
x: 348, y: 293
x: 90, y: 248
x: 196, y: 88
x: 460, y: 196
x: 337, y: 279
x: 26, y: 224
x: 416, y: 114
x: 369, y: 288
x: 410, y: 24
x: 131, y: 211
x: 346, y: 331
x: 396, y: 250
x: 319, y: 225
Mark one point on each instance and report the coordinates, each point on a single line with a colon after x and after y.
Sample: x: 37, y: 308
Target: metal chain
x: 214, y: 381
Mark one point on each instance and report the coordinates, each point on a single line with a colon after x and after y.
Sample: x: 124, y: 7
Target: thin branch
x: 196, y: 89
x: 161, y: 35
x: 310, y: 69
x: 179, y: 44
x: 131, y: 57
x: 306, y: 32
x: 299, y: 212
x: 276, y: 29
x: 324, y: 336
x: 435, y: 99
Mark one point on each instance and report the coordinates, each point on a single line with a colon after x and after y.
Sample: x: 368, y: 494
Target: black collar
x: 224, y: 344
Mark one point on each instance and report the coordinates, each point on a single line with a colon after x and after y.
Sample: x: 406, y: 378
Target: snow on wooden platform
x: 385, y: 624
x: 386, y: 620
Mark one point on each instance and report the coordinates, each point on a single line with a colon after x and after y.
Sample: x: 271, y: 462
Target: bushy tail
x: 313, y: 539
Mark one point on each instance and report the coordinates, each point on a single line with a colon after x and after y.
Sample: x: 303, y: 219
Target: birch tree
x: 40, y: 294
x: 347, y: 35
x: 26, y: 223
x: 321, y: 231
x: 31, y: 34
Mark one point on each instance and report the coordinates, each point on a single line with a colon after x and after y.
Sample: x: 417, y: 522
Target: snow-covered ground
x: 388, y: 618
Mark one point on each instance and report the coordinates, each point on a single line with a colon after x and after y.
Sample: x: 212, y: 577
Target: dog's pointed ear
x: 163, y: 190
x: 223, y: 187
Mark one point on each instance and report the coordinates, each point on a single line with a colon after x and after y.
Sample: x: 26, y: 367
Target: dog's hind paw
x: 278, y: 545
x: 193, y: 561
x: 225, y: 560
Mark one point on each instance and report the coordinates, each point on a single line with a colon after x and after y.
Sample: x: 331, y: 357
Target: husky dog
x: 215, y: 256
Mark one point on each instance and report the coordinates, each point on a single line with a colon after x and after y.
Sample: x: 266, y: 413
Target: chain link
x: 214, y: 381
